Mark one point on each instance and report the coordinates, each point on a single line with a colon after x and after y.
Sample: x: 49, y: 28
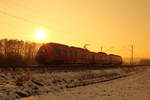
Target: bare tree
x: 18, y: 52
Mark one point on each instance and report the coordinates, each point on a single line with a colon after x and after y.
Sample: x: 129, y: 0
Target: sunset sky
x: 113, y: 24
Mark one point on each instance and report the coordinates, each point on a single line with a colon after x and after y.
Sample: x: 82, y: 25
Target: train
x: 55, y: 53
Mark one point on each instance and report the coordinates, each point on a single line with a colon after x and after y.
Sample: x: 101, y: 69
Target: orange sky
x: 113, y: 24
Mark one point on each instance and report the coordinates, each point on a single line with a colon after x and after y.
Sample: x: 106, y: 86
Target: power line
x: 26, y: 20
x: 16, y: 4
x: 109, y: 49
x: 29, y: 21
x: 17, y: 17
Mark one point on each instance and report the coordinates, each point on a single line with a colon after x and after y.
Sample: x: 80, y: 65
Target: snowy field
x: 80, y: 85
x: 135, y: 87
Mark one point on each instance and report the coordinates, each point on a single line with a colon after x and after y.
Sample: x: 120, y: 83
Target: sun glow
x: 40, y: 34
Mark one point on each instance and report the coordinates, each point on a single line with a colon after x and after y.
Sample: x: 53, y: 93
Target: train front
x: 42, y: 56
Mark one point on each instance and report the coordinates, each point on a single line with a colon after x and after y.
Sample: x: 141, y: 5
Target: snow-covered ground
x: 79, y: 85
x: 135, y: 87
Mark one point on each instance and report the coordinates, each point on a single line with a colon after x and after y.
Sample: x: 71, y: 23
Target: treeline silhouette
x: 18, y: 52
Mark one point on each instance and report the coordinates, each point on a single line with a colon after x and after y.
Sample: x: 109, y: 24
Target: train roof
x: 102, y: 53
x: 77, y: 48
x: 62, y: 45
x: 55, y: 44
x: 114, y: 55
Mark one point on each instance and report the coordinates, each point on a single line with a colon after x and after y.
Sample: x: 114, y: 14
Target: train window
x: 80, y: 55
x: 89, y: 56
x: 57, y: 51
x: 71, y: 53
x: 93, y: 57
x: 83, y: 56
x: 66, y: 53
x: 60, y: 52
x: 63, y: 52
x: 76, y: 54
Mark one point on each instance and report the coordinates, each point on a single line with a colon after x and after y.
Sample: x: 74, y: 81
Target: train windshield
x: 43, y: 50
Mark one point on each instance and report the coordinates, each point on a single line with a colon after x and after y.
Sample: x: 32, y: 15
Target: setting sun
x: 40, y: 34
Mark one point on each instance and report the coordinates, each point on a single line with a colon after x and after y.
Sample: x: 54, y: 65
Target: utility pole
x: 101, y: 48
x: 131, y: 62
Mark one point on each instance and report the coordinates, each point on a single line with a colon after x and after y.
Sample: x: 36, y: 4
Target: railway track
x: 60, y: 67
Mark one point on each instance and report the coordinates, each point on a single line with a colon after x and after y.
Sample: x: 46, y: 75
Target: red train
x: 53, y: 53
